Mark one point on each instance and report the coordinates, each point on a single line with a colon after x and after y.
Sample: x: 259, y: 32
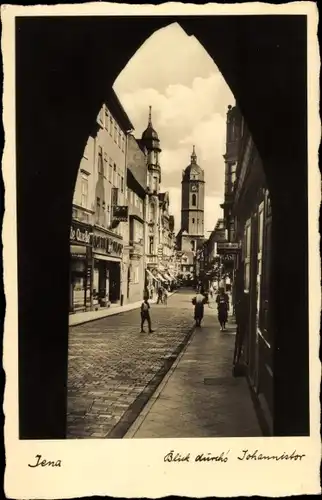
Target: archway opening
x: 172, y: 130
x: 264, y: 61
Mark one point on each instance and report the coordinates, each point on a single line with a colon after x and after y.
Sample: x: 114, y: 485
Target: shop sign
x: 120, y: 213
x: 80, y: 234
x: 107, y: 244
x: 228, y: 248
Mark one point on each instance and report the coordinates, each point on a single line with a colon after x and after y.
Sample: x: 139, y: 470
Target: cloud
x: 155, y: 64
x: 189, y: 97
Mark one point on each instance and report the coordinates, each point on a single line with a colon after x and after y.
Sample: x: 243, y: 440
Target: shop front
x: 107, y: 257
x: 80, y: 267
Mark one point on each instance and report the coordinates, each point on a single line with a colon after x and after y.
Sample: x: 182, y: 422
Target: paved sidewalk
x: 199, y: 397
x: 86, y: 316
x: 113, y: 368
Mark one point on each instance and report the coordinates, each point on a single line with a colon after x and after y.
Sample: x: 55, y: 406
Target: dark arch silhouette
x: 61, y: 80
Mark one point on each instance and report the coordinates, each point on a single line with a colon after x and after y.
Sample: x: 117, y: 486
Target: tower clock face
x: 194, y: 188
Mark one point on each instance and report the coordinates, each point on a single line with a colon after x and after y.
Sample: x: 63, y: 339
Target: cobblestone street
x: 114, y: 369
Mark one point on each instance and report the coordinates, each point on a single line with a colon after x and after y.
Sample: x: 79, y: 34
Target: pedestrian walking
x: 145, y: 315
x: 160, y: 295
x: 165, y: 296
x: 198, y: 301
x: 223, y: 308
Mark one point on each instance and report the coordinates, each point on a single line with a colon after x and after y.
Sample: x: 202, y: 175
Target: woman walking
x: 223, y: 308
x: 165, y: 296
x: 199, y: 301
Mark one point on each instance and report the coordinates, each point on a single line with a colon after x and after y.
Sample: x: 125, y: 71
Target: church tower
x: 192, y: 201
x: 151, y: 142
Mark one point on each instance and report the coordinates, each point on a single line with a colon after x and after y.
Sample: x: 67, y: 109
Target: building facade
x: 159, y: 241
x: 98, y: 276
x: 137, y: 203
x: 211, y: 268
x: 192, y: 215
x: 248, y: 219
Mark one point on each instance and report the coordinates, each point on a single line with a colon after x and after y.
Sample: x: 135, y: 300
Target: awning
x: 161, y: 277
x: 151, y: 275
x: 99, y: 256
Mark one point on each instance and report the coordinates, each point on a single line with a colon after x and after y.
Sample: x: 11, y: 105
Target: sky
x: 174, y: 74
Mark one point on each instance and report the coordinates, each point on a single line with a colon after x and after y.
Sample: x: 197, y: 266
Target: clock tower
x: 192, y: 205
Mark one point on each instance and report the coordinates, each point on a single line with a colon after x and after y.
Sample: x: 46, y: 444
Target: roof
x: 134, y: 183
x: 150, y: 135
x: 193, y: 167
x: 117, y: 110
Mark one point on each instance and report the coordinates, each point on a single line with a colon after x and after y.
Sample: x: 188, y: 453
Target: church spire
x: 193, y: 156
x: 150, y: 116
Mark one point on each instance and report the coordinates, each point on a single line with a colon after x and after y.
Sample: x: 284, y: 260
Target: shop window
x: 84, y: 190
x: 194, y: 200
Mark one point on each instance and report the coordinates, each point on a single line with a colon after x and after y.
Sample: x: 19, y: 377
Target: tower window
x: 193, y: 220
x: 193, y: 245
x: 194, y: 200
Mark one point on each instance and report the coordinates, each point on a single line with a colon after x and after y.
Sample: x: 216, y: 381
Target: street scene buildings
x: 124, y: 251
x: 122, y: 233
x: 172, y: 227
x: 181, y: 257
x: 237, y: 256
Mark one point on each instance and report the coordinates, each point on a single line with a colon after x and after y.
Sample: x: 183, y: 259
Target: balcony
x: 152, y: 259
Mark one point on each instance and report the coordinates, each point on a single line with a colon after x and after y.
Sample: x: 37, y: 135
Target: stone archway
x: 61, y: 82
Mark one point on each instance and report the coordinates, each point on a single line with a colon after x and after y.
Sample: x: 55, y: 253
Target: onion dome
x: 150, y: 136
